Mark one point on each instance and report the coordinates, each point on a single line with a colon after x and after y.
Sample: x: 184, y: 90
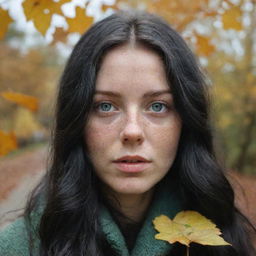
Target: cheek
x: 97, y: 136
x: 167, y: 140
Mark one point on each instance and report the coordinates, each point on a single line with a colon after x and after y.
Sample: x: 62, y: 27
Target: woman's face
x: 133, y: 118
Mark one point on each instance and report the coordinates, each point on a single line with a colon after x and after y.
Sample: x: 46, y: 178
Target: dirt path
x: 18, y: 176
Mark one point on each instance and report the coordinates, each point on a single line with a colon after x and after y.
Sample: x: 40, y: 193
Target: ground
x: 18, y: 176
x: 20, y: 173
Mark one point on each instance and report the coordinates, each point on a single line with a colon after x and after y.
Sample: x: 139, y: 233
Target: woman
x: 132, y: 141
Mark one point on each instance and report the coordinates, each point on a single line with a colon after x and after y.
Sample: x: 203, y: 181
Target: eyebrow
x: 146, y: 95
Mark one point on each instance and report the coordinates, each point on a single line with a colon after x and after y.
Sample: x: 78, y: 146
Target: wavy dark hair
x: 69, y: 223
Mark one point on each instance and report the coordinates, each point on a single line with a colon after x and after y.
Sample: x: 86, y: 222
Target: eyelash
x: 97, y: 105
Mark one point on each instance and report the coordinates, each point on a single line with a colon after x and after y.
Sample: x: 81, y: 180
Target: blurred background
x: 37, y: 36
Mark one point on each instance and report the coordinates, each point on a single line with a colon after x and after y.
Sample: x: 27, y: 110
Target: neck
x: 132, y: 206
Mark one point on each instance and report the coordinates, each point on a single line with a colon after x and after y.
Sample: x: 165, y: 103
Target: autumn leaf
x: 114, y: 6
x: 210, y: 13
x: 203, y: 45
x: 5, y: 21
x: 26, y: 101
x: 60, y: 35
x: 178, y: 5
x: 178, y: 12
x: 41, y: 11
x: 80, y: 23
x: 232, y: 18
x: 188, y: 227
x: 8, y: 143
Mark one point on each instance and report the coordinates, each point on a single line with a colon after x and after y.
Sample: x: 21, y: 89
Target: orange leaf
x: 26, y: 101
x: 41, y: 11
x: 115, y: 6
x: 60, y: 35
x: 80, y: 23
x: 210, y: 13
x: 204, y: 46
x: 232, y: 18
x: 179, y: 13
x: 5, y: 21
x: 8, y: 143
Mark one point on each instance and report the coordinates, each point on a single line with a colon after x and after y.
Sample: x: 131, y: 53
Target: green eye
x: 158, y: 107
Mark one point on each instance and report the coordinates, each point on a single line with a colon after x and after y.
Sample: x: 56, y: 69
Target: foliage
x: 5, y: 21
x: 21, y: 99
x: 26, y: 116
x: 40, y: 12
x: 8, y: 143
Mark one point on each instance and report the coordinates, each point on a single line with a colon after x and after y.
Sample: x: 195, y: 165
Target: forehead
x: 131, y: 67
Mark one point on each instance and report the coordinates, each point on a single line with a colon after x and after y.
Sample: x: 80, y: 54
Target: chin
x: 132, y: 189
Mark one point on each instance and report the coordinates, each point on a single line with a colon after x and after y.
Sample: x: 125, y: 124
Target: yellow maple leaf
x: 188, y: 227
x: 41, y: 11
x: 5, y: 21
x: 8, y: 143
x: 203, y: 45
x: 24, y: 100
x: 81, y: 21
x: 232, y: 18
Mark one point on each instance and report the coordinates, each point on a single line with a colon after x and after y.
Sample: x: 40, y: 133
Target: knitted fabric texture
x: 165, y: 202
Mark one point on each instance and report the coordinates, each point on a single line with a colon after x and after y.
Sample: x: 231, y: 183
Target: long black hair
x: 69, y: 223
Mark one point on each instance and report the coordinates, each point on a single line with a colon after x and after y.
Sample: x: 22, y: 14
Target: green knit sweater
x: 14, y: 238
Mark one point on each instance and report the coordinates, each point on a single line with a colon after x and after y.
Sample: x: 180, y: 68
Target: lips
x: 132, y: 164
x: 132, y: 159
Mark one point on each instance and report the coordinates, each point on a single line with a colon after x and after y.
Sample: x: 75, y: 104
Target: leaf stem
x: 187, y: 251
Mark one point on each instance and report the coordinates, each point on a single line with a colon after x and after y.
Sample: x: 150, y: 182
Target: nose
x: 132, y: 132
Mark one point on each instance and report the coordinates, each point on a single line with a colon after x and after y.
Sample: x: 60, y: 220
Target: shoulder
x: 14, y: 239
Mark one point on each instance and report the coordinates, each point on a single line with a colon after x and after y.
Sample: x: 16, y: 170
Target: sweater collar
x: 165, y: 202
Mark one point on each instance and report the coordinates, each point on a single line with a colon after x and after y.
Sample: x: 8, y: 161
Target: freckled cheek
x: 98, y: 136
x: 166, y: 139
